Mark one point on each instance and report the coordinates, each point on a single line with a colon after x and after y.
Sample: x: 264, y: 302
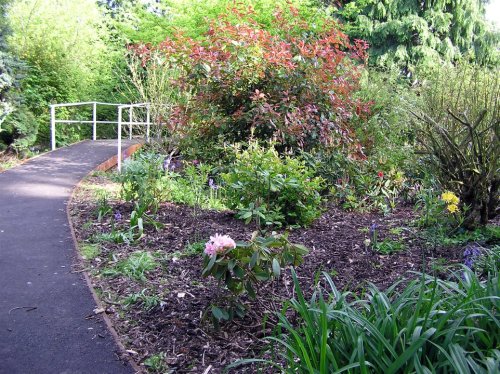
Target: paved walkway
x: 44, y: 308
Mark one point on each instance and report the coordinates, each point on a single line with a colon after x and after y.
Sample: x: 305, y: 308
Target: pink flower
x: 380, y: 174
x: 219, y: 243
x: 210, y: 249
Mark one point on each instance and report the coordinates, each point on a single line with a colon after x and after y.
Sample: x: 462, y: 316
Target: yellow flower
x: 450, y: 198
x: 452, y: 208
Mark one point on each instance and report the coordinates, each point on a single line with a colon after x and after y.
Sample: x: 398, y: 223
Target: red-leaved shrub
x: 293, y: 84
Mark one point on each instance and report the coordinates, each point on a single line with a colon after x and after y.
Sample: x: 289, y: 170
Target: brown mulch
x: 178, y: 329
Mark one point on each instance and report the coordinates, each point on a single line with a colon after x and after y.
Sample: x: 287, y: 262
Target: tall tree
x: 410, y: 33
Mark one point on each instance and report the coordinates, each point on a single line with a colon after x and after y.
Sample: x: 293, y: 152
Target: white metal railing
x: 120, y: 122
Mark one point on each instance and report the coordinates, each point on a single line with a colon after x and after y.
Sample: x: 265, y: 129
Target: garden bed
x: 173, y: 334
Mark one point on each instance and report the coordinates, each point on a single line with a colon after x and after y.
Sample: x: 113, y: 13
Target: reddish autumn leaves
x: 294, y: 84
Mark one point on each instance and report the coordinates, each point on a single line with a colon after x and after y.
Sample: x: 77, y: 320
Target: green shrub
x: 430, y: 326
x: 19, y: 130
x: 459, y: 135
x: 284, y: 188
x: 361, y: 185
x: 140, y: 180
x: 241, y: 267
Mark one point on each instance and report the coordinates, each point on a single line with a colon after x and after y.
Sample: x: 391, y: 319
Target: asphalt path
x: 47, y: 320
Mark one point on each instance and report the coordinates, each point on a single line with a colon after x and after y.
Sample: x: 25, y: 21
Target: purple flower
x: 196, y: 162
x: 212, y: 184
x: 170, y: 164
x: 118, y: 216
x: 471, y: 253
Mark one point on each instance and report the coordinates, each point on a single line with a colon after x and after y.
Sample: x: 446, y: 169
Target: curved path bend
x: 47, y: 323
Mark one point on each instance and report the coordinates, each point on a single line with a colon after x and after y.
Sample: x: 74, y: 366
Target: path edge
x: 124, y: 355
x: 41, y: 154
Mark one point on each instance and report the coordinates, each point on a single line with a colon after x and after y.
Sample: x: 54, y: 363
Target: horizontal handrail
x: 83, y: 103
x: 92, y: 122
x: 120, y: 122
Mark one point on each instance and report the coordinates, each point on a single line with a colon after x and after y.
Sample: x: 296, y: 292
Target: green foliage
x: 142, y: 24
x: 281, y: 189
x: 427, y: 326
x: 361, y: 185
x: 434, y: 213
x: 8, y: 65
x: 240, y: 270
x: 388, y: 134
x: 459, y: 135
x: 135, y: 266
x: 19, y: 130
x: 156, y: 363
x: 148, y: 302
x: 194, y: 187
x: 411, y: 34
x: 388, y: 246
x: 485, y: 235
x: 17, y: 124
x: 68, y: 50
x: 103, y: 207
x: 140, y: 180
x: 90, y: 251
x: 115, y: 236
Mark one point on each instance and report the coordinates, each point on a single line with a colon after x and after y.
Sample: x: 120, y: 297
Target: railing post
x: 148, y: 119
x: 119, y: 155
x: 53, y: 126
x: 130, y: 116
x: 94, y: 121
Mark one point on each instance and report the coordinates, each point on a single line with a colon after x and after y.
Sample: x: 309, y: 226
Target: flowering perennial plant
x: 471, y: 253
x: 451, y: 200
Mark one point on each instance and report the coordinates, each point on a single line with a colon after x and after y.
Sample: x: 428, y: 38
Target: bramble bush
x: 241, y: 267
x: 294, y: 84
x: 272, y: 190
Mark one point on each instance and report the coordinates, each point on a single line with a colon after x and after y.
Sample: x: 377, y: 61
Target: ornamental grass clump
x: 428, y: 326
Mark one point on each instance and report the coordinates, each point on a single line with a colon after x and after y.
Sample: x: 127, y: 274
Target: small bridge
x: 128, y: 117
